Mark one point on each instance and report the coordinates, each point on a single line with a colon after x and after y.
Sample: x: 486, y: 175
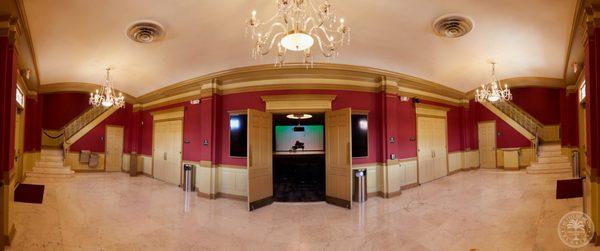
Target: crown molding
x: 79, y: 88
x: 321, y: 76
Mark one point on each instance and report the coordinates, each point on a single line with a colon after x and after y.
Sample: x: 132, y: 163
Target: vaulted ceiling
x: 75, y: 40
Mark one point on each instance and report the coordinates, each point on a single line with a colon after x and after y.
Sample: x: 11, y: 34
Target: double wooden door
x: 486, y: 132
x: 114, y: 148
x: 432, y: 144
x: 338, y: 154
x: 168, y: 140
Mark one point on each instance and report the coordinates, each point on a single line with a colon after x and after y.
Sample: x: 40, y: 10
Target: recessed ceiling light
x: 299, y: 116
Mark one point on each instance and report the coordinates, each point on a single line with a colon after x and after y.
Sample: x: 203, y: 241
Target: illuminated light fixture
x: 493, y: 91
x: 234, y: 123
x: 299, y: 116
x: 297, y: 26
x: 106, y: 96
x: 363, y: 124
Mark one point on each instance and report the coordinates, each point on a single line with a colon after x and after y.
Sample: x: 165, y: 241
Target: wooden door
x: 439, y: 146
x: 486, y: 132
x: 425, y: 150
x: 338, y: 155
x: 114, y: 148
x: 168, y: 140
x: 260, y: 159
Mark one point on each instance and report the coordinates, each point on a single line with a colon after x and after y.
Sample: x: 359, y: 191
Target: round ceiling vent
x: 452, y: 25
x: 145, y: 31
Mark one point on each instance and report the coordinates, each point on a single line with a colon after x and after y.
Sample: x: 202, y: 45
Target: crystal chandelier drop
x: 296, y: 27
x: 493, y: 91
x: 106, y: 96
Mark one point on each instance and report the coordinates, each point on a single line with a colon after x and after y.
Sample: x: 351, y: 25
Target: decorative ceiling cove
x: 76, y: 40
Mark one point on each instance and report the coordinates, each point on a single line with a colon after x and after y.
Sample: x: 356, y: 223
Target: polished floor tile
x: 485, y: 210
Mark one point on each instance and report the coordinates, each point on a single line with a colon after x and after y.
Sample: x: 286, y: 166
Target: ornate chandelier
x: 296, y: 27
x: 106, y: 96
x: 493, y: 91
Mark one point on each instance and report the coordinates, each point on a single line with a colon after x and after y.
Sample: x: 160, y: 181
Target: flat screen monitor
x: 311, y: 136
x: 238, y: 135
x: 360, y: 135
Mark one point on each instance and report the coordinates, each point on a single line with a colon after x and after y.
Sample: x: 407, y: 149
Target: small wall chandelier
x: 493, y: 91
x: 296, y: 27
x: 106, y: 96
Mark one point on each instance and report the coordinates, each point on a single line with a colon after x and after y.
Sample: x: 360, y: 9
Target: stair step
x: 556, y: 147
x: 42, y: 170
x: 49, y: 164
x: 553, y: 159
x: 51, y: 152
x: 550, y: 154
x: 547, y: 171
x: 47, y: 158
x: 49, y: 175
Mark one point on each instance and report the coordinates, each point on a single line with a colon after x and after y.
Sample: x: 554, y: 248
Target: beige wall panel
x: 206, y: 180
x: 551, y: 133
x: 29, y: 159
x: 526, y: 156
x: 125, y: 162
x: 511, y: 160
x: 472, y: 159
x: 456, y: 161
x: 72, y: 160
x: 146, y: 162
x: 233, y: 181
x: 499, y: 157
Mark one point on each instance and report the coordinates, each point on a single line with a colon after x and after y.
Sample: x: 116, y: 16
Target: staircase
x: 51, y: 164
x: 548, y: 155
x: 550, y: 160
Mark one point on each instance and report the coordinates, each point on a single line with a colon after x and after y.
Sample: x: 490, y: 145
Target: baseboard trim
x: 11, y: 236
x: 409, y: 186
x: 232, y: 196
x: 338, y: 202
x: 390, y: 195
x: 88, y: 171
x: 205, y: 195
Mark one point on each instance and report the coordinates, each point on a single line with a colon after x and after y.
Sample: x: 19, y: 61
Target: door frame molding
x: 445, y: 118
x: 106, y: 144
x: 154, y: 143
x: 495, y: 141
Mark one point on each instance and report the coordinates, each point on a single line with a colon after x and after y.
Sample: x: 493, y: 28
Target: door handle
x: 165, y: 156
x: 349, y: 159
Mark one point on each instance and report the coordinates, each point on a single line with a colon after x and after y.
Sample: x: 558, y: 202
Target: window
x: 20, y: 98
x: 582, y: 93
x: 238, y: 135
x: 360, y: 135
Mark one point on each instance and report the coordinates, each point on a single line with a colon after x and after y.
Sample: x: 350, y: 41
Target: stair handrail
x: 81, y: 121
x: 521, y: 117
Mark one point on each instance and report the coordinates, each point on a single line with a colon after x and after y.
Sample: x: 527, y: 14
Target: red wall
x: 94, y: 140
x: 33, y: 125
x: 507, y: 136
x: 542, y: 103
x: 60, y: 108
x: 344, y: 99
x: 569, y: 119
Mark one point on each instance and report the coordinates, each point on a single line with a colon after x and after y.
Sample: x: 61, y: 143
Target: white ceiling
x: 76, y: 39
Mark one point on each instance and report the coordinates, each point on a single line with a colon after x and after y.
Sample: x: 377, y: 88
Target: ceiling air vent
x: 452, y: 25
x: 145, y: 31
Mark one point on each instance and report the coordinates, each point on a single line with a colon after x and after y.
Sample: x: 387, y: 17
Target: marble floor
x: 484, y: 210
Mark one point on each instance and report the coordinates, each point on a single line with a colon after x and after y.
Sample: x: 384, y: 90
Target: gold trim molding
x: 298, y: 102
